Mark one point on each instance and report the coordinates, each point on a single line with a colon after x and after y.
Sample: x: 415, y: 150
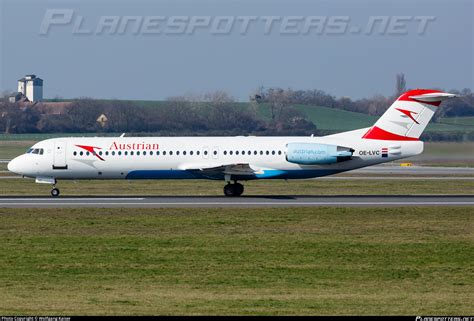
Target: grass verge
x: 411, y: 261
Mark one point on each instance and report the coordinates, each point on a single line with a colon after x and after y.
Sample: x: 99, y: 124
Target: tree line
x: 213, y: 113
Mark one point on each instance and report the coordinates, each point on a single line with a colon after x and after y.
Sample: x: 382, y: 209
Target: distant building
x: 17, y: 97
x: 30, y: 87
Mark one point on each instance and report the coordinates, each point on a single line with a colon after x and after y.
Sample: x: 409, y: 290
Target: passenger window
x: 144, y: 153
x: 81, y: 153
x: 171, y: 152
x: 279, y: 152
x: 75, y: 153
x: 236, y: 152
x: 164, y: 152
x: 157, y: 153
x: 261, y: 152
x: 267, y: 152
x: 151, y: 153
x: 138, y: 153
x: 255, y: 152
x: 225, y: 152
x: 120, y: 153
x: 113, y: 153
x: 184, y: 153
x: 125, y: 153
x: 273, y: 152
x: 191, y: 153
x: 131, y: 153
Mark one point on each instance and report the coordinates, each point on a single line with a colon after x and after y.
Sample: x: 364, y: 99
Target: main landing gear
x: 235, y: 189
x: 55, y: 191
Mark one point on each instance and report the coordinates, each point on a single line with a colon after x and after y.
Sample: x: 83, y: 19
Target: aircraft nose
x: 14, y: 166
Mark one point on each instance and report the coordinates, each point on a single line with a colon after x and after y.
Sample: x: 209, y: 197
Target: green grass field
x: 342, y: 120
x: 309, y: 261
x: 463, y: 121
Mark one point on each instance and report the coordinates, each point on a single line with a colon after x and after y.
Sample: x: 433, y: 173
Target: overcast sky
x: 152, y: 63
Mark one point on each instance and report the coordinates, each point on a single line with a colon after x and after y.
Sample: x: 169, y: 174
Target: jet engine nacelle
x: 317, y: 154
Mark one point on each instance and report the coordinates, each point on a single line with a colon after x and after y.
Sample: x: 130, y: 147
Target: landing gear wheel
x: 229, y: 190
x: 233, y: 189
x: 239, y: 189
x: 55, y: 192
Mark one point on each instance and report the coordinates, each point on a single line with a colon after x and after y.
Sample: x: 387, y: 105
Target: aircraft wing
x: 220, y: 171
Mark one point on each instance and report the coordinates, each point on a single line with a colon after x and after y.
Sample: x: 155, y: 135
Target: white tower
x: 31, y: 87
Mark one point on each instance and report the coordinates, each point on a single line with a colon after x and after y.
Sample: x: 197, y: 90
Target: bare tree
x: 401, y: 85
x: 218, y: 97
x: 278, y: 99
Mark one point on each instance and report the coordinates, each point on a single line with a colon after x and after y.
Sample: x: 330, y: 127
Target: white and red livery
x: 395, y: 135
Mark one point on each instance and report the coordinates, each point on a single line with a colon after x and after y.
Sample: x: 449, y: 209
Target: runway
x: 244, y: 201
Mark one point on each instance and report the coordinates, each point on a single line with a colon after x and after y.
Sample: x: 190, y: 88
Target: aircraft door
x: 59, y: 155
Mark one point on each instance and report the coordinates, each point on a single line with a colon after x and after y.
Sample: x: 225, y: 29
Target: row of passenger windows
x: 184, y: 153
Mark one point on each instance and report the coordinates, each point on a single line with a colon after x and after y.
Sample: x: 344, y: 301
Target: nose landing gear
x: 55, y: 191
x: 235, y: 189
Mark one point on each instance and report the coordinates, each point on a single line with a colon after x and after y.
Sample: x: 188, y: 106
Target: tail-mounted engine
x: 317, y: 154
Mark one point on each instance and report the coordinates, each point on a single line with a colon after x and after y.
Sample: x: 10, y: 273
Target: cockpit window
x: 38, y: 151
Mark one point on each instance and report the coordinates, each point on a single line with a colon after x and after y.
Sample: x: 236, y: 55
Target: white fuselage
x: 191, y: 157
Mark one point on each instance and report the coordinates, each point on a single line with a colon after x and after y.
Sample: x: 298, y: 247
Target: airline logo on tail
x: 408, y: 113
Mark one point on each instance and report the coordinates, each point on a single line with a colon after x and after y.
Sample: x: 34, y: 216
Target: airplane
x: 395, y: 135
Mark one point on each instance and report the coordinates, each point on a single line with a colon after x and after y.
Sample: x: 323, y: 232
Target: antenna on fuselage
x: 123, y: 135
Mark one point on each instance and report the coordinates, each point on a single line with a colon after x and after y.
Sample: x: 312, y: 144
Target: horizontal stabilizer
x: 433, y: 97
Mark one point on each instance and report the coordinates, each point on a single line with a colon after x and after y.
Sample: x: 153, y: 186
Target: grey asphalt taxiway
x: 244, y: 201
